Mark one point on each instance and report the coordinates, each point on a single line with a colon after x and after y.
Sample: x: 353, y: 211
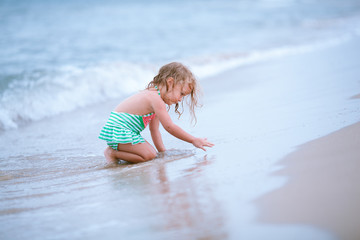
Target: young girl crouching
x: 148, y: 107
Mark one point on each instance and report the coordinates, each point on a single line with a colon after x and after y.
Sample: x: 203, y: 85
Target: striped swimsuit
x: 125, y: 128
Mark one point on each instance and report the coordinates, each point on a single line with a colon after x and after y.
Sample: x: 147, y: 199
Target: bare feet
x: 110, y: 157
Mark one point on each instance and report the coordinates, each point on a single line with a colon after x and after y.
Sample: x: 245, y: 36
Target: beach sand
x: 323, y: 185
x: 55, y: 184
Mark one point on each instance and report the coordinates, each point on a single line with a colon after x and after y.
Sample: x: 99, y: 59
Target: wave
x: 208, y: 66
x: 39, y: 94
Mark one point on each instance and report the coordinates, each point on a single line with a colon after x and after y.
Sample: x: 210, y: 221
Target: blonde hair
x: 181, y: 75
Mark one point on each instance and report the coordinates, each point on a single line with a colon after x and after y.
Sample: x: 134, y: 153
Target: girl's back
x: 138, y: 104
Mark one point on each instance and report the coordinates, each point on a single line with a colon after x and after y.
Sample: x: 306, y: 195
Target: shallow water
x: 53, y: 180
x: 60, y: 197
x: 54, y: 183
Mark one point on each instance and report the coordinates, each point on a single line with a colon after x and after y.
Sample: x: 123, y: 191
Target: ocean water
x: 59, y: 56
x: 66, y: 64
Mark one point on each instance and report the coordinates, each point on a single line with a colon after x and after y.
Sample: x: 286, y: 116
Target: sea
x: 59, y: 56
x: 64, y: 65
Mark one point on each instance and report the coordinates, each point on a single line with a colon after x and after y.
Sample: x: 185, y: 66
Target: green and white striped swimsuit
x: 124, y: 128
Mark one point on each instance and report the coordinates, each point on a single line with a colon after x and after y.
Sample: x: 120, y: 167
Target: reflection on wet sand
x: 188, y: 205
x: 181, y: 198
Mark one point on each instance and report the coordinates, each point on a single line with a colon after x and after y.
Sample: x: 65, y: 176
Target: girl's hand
x: 201, y: 143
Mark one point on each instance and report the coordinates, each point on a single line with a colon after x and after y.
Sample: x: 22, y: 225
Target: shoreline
x: 322, y: 187
x: 255, y: 115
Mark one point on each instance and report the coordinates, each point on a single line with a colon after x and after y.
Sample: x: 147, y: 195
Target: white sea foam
x: 68, y: 89
x: 44, y: 94
x: 212, y: 65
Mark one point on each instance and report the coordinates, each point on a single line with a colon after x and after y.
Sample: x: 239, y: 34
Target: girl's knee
x: 149, y: 155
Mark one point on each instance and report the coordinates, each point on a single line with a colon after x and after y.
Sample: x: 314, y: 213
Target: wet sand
x: 323, y: 187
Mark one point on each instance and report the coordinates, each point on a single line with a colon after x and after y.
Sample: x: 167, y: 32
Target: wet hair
x: 181, y: 75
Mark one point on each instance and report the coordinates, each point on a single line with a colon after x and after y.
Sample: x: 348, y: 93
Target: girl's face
x: 176, y: 93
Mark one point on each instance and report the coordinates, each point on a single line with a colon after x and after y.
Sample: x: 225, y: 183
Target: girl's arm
x: 156, y: 135
x: 165, y: 120
x: 169, y: 125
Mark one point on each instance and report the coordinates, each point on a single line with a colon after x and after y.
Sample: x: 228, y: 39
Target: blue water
x: 83, y: 56
x: 57, y: 56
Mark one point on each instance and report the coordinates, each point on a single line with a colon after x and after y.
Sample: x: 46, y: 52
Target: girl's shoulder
x: 150, y: 96
x: 146, y: 93
x: 151, y: 93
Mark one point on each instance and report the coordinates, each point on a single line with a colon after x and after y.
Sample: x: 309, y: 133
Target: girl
x: 122, y: 131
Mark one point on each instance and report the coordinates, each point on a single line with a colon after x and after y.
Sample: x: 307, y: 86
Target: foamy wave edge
x: 209, y: 66
x: 72, y: 87
x: 67, y: 89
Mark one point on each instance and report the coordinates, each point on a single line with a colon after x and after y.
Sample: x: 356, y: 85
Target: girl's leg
x: 140, y: 152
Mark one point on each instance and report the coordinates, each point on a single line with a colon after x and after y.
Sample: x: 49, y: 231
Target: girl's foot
x: 110, y: 157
